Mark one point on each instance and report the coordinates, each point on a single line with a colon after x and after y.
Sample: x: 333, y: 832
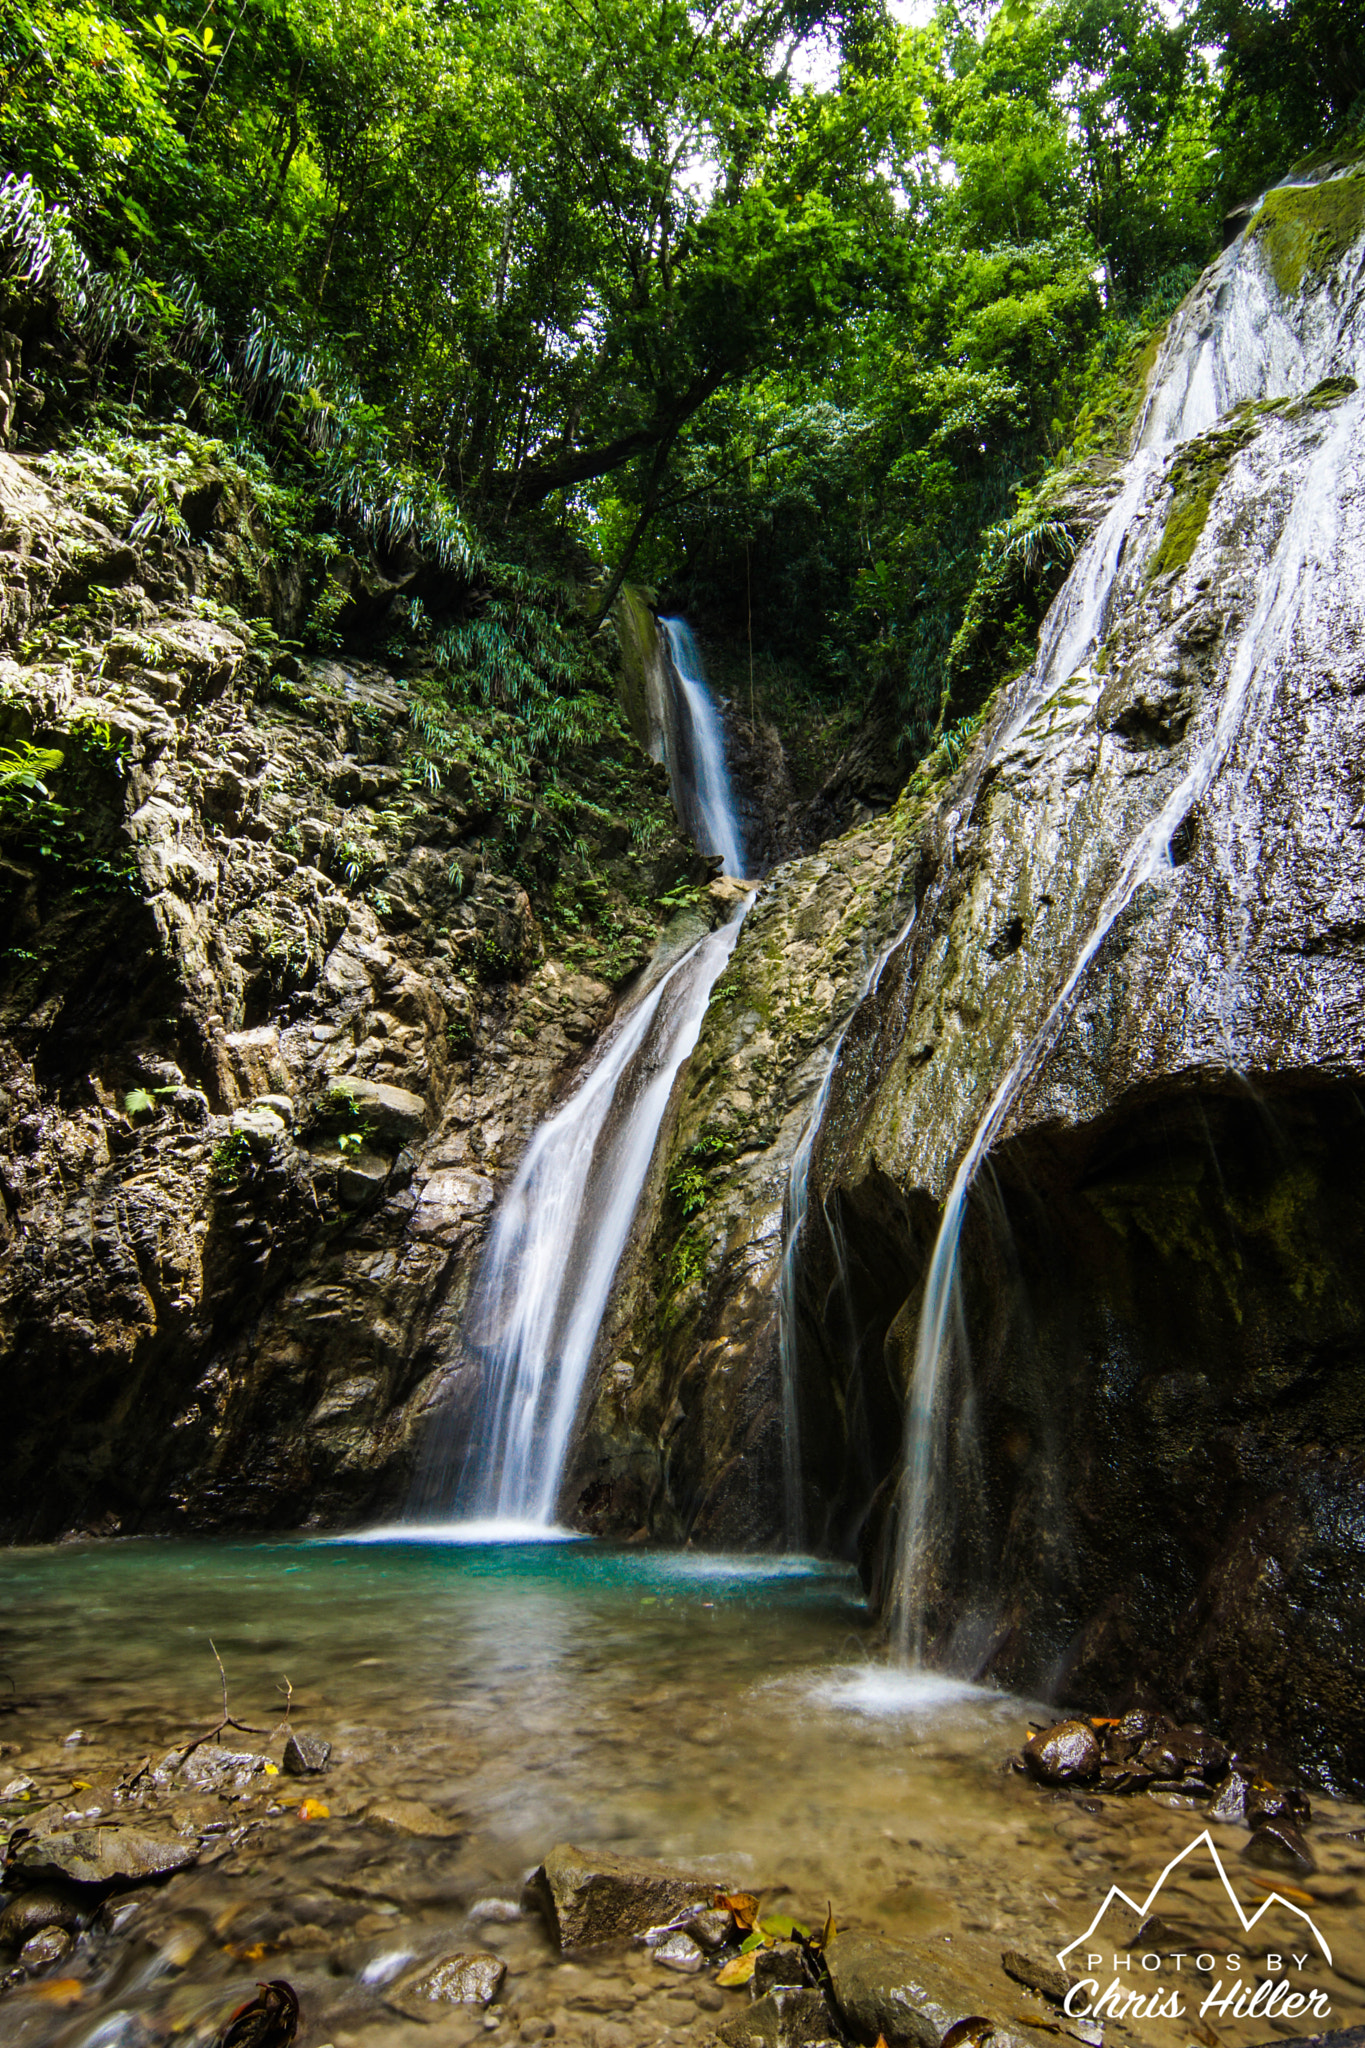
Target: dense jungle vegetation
x: 783, y: 307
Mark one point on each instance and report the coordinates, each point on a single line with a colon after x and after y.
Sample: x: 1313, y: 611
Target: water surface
x: 661, y: 1703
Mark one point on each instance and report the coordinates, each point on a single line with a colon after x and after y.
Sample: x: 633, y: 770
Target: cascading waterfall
x: 557, y: 1239
x: 700, y: 779
x: 1231, y: 343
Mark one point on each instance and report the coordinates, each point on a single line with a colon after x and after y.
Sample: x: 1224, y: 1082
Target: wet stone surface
x: 552, y: 1696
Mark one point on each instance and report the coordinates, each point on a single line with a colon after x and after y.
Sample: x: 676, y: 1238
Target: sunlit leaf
x: 738, y: 1971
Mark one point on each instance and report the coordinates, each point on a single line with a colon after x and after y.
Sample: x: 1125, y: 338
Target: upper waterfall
x: 696, y: 756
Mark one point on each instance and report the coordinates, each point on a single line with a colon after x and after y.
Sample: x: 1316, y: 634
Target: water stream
x: 695, y: 750
x: 1232, y: 342
x: 556, y: 1241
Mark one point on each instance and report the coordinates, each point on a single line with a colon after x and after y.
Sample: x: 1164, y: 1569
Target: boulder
x: 111, y: 1858
x: 912, y: 1994
x: 394, y: 1116
x: 590, y: 1897
x: 465, y: 1978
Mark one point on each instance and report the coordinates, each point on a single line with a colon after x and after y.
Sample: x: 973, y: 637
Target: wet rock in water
x: 782, y: 2019
x: 306, y: 1756
x: 680, y: 1952
x: 1278, y: 1845
x: 913, y: 1994
x: 709, y: 1928
x: 1062, y: 1754
x: 112, y: 1858
x: 1231, y: 1804
x: 1269, y: 1802
x: 211, y: 1768
x: 1036, y: 1973
x: 1200, y: 1754
x: 774, y: 1967
x: 18, y: 1788
x: 40, y: 1951
x: 468, y: 1977
x: 31, y: 1911
x: 410, y: 1817
x: 590, y: 1896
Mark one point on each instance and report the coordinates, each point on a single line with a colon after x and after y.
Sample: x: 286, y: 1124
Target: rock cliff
x: 1130, y: 975
x: 293, y: 964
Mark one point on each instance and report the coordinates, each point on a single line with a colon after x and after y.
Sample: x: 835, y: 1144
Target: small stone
x: 680, y: 1952
x: 1063, y: 1753
x: 710, y: 1928
x: 466, y: 1978
x: 306, y: 1756
x: 535, y: 2030
x: 18, y: 1788
x: 1278, y: 1845
x: 410, y: 1817
x: 1036, y: 1974
x: 40, y: 1951
x: 70, y: 1741
x: 709, y: 1998
x: 281, y: 1106
x: 1231, y: 1804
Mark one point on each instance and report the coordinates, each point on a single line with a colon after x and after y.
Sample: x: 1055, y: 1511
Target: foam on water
x: 492, y: 1530
x: 892, y: 1692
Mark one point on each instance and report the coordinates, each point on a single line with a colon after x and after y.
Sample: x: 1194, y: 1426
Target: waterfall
x: 696, y: 754
x: 1229, y: 343
x: 556, y: 1241
x: 797, y: 1204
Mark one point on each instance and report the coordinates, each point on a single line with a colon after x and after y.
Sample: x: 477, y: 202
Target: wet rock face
x: 273, y: 1030
x: 1162, y: 1324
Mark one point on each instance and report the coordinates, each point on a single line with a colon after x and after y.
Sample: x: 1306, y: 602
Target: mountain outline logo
x: 1204, y: 1839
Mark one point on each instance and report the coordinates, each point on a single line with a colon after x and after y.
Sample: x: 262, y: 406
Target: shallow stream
x: 662, y: 1704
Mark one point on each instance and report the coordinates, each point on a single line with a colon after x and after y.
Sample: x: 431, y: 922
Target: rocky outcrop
x: 1131, y: 987
x: 276, y: 1017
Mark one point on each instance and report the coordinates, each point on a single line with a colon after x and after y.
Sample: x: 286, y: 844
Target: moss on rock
x: 1305, y: 229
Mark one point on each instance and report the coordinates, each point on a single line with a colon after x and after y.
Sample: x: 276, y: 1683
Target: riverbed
x: 732, y: 1713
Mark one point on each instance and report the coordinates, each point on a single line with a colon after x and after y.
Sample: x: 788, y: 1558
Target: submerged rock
x: 590, y: 1897
x: 42, y: 1906
x: 464, y: 1978
x: 110, y: 1858
x: 782, y: 2018
x: 1278, y: 1845
x: 41, y: 1950
x: 410, y: 1817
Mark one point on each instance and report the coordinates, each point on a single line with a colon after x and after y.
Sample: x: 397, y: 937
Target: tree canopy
x: 776, y: 302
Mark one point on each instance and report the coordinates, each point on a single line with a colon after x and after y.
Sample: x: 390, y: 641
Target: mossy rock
x: 1194, y: 477
x: 1306, y: 229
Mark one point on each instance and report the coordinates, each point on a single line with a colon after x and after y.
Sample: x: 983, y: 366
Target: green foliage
x: 230, y: 1159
